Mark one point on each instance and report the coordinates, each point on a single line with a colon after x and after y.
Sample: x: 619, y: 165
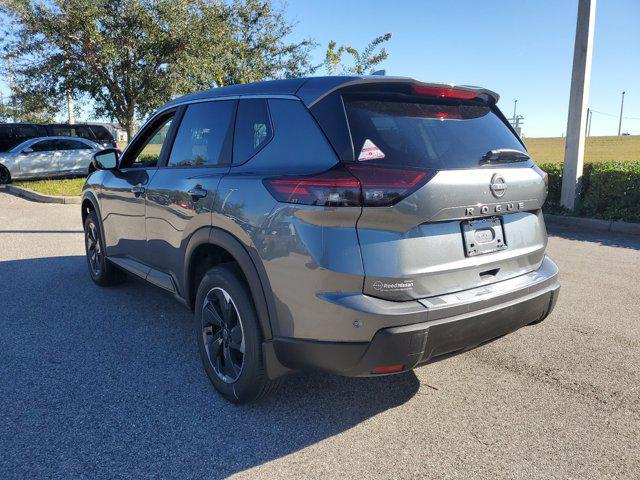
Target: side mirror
x: 106, y: 159
x: 27, y: 150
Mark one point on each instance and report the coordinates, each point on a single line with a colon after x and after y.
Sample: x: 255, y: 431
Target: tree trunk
x: 130, y: 123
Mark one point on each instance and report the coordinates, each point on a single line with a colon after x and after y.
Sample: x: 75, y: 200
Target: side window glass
x: 71, y: 145
x: 149, y: 154
x: 253, y: 129
x: 203, y: 137
x: 45, y: 146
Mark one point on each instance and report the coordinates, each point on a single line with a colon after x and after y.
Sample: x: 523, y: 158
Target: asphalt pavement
x: 107, y: 382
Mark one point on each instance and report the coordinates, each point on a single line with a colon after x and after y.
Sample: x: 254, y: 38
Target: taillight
x: 382, y: 186
x: 349, y: 186
x: 333, y: 188
x: 442, y: 92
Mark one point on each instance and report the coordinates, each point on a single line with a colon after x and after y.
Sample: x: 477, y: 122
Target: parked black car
x: 12, y: 134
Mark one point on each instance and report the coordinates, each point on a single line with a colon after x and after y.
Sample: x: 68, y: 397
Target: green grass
x: 60, y: 187
x: 597, y: 149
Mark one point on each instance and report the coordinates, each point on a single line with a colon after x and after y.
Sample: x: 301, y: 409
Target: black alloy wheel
x: 223, y: 335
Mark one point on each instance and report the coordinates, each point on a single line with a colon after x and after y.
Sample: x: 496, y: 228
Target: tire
x: 229, y: 337
x: 5, y: 175
x: 102, y: 272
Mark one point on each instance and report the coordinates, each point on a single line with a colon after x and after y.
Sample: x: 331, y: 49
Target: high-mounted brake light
x: 349, y: 186
x: 443, y: 92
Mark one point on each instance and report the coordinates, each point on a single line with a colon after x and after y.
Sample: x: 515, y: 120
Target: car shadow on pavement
x: 609, y: 239
x: 108, y: 382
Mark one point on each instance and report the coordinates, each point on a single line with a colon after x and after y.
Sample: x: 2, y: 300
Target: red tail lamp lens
x: 387, y: 369
x: 355, y: 185
x: 443, y: 92
x: 382, y: 186
x: 334, y: 188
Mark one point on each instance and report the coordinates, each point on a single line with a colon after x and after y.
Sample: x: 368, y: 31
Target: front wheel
x: 5, y: 176
x: 229, y: 337
x: 102, y: 272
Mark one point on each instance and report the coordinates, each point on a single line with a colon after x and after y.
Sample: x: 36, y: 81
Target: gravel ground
x: 103, y: 383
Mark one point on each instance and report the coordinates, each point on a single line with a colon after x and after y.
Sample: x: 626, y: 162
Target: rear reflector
x: 387, y: 369
x: 350, y: 185
x: 443, y: 92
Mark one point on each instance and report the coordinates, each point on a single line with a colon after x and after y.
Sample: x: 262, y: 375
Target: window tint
x: 298, y: 145
x: 148, y: 152
x: 425, y: 134
x: 27, y: 131
x: 82, y: 131
x: 45, y: 146
x: 101, y: 133
x: 71, y: 145
x: 204, y: 134
x: 253, y: 129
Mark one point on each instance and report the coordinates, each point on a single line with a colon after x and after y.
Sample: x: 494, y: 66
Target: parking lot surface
x: 104, y: 383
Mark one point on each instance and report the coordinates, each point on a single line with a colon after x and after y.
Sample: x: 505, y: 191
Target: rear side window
x: 424, y: 134
x: 101, y: 134
x: 64, y: 144
x: 27, y: 131
x: 253, y: 129
x: 204, y: 135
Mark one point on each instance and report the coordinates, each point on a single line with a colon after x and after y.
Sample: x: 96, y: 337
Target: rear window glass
x: 426, y: 135
x: 101, y: 133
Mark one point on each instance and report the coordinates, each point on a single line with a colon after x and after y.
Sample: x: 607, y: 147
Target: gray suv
x: 357, y: 225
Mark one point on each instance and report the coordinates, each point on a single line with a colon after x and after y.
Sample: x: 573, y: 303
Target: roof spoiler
x: 317, y: 88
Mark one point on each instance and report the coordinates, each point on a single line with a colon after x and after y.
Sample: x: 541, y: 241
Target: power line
x: 614, y: 115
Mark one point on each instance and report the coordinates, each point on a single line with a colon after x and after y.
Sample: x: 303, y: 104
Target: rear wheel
x: 101, y: 270
x: 229, y: 337
x: 5, y: 176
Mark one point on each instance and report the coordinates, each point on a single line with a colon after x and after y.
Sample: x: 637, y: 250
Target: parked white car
x: 47, y: 157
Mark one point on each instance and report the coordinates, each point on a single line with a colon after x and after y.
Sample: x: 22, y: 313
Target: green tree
x: 362, y: 61
x: 130, y: 56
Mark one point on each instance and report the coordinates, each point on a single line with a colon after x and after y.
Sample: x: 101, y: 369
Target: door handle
x: 197, y: 193
x: 138, y: 190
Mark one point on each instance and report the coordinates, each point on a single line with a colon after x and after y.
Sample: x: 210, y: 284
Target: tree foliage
x: 361, y: 61
x: 130, y: 56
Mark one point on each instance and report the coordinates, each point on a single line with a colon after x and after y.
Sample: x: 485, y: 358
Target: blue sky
x: 520, y: 49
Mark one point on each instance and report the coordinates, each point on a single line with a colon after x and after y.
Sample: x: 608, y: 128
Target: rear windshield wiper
x: 504, y: 155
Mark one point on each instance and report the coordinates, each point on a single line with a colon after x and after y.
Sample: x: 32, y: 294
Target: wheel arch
x: 224, y: 247
x: 4, y: 167
x: 90, y: 203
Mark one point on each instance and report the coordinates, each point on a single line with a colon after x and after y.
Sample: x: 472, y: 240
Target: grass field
x: 597, y: 149
x: 64, y: 187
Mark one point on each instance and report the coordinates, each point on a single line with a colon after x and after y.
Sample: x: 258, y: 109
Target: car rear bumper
x: 453, y: 323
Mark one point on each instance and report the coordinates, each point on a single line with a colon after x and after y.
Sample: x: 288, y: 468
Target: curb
x: 592, y: 224
x: 39, y: 197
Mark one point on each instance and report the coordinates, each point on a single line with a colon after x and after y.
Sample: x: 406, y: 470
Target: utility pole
x: 621, y: 108
x: 70, y: 118
x: 515, y: 103
x: 589, y: 117
x: 578, y: 101
x: 14, y: 107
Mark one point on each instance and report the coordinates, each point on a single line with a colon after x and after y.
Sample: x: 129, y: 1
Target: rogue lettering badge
x: 497, y: 186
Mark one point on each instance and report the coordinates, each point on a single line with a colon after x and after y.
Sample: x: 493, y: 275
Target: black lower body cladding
x: 419, y: 343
